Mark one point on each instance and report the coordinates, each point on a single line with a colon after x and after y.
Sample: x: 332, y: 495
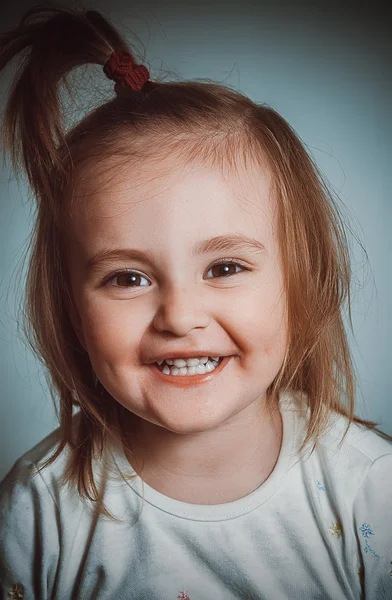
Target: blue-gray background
x: 326, y: 69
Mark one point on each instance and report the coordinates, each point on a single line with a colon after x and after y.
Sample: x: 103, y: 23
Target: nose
x: 180, y: 310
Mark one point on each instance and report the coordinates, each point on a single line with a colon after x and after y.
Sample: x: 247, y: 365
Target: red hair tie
x: 122, y: 69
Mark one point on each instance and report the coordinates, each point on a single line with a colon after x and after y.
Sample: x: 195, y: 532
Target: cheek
x: 260, y: 318
x: 267, y: 343
x: 113, y: 328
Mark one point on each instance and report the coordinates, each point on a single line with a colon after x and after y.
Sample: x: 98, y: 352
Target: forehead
x: 168, y: 200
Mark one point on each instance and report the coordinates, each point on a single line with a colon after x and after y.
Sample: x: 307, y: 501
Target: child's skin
x: 205, y: 443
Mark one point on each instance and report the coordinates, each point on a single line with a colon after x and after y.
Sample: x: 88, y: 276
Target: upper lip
x: 185, y: 354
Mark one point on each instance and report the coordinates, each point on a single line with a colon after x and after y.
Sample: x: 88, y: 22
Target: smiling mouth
x: 189, y: 367
x: 186, y: 378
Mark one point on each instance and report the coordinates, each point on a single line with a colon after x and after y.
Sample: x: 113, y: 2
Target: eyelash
x: 224, y: 261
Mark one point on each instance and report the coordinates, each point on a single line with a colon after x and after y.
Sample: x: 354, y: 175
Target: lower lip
x: 187, y: 380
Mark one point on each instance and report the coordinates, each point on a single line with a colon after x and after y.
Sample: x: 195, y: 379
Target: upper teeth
x: 187, y: 362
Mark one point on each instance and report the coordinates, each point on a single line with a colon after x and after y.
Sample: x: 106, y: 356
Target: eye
x: 128, y: 279
x: 133, y: 279
x: 225, y: 268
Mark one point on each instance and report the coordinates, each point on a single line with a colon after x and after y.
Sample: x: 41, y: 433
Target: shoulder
x: 363, y: 456
x: 46, y: 487
x: 33, y: 503
x: 371, y: 508
x: 359, y: 439
x: 357, y: 448
x: 347, y: 456
x: 348, y: 442
x: 26, y: 477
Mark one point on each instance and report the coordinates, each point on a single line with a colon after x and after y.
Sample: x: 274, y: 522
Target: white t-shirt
x: 320, y: 527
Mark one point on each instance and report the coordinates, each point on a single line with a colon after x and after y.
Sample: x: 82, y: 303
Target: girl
x: 185, y: 292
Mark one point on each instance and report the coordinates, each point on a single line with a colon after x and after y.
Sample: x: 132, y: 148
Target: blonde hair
x: 194, y: 119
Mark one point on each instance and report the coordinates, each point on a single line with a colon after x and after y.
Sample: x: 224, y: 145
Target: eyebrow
x: 221, y: 243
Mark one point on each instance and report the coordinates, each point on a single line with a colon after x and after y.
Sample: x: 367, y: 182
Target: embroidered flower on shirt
x: 366, y: 531
x: 336, y: 529
x: 183, y: 596
x: 17, y: 592
x: 320, y: 486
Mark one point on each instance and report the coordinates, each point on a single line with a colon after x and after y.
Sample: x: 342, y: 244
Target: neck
x: 209, y: 467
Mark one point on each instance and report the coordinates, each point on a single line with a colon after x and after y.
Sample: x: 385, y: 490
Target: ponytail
x: 58, y: 41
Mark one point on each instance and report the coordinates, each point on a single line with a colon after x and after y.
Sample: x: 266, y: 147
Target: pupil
x: 127, y: 278
x: 224, y: 269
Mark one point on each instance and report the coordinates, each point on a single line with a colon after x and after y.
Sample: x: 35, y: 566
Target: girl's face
x: 147, y: 286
